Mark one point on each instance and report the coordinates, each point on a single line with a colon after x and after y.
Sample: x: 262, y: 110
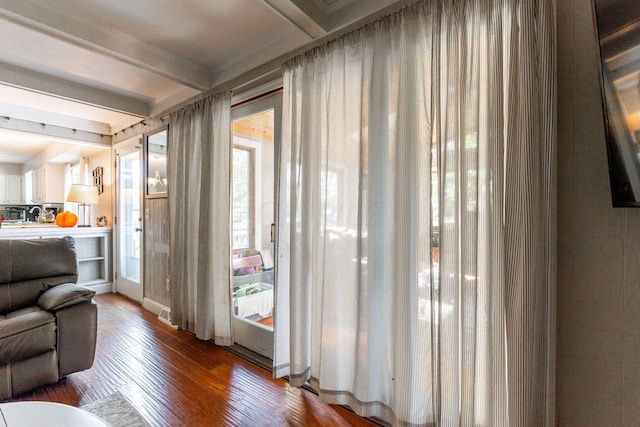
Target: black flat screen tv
x: 618, y: 35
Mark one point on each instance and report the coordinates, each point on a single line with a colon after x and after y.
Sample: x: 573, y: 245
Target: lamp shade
x: 79, y: 193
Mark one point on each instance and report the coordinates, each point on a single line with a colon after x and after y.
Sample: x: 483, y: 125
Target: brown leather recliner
x: 48, y: 323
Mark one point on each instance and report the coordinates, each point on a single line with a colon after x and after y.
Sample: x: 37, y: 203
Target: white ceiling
x: 103, y: 65
x: 19, y: 147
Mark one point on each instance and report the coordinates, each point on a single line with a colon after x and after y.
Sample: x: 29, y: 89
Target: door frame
x: 248, y: 334
x: 135, y: 143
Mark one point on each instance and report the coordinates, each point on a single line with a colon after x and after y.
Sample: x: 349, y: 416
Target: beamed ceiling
x: 102, y: 65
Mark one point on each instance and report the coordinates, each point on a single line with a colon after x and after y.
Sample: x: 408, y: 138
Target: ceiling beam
x: 307, y: 16
x: 41, y: 116
x: 57, y: 132
x: 42, y: 83
x: 53, y: 23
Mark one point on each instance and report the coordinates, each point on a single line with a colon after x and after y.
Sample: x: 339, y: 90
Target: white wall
x: 10, y: 169
x: 103, y: 159
x: 598, y: 367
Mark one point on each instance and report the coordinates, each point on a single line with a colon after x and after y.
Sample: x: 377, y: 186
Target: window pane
x: 242, y: 165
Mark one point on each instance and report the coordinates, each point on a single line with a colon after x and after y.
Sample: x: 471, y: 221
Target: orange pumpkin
x: 66, y: 219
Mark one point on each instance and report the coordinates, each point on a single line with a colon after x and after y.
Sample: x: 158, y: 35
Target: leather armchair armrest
x: 77, y: 333
x: 65, y: 295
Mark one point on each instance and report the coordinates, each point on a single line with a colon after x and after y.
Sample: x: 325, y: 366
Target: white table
x: 37, y: 414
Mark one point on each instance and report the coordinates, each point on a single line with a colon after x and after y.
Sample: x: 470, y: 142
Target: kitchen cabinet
x: 48, y: 184
x: 11, y: 189
x: 93, y: 249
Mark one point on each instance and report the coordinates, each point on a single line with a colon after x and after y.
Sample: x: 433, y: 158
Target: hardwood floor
x: 174, y: 379
x: 267, y: 321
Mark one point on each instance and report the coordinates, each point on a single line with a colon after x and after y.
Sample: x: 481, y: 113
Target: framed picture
x: 98, y: 174
x: 156, y: 162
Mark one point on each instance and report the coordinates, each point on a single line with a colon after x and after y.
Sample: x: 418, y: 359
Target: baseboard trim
x: 163, y: 312
x: 102, y: 288
x: 153, y: 306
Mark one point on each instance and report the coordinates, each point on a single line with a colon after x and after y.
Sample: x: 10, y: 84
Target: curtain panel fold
x: 199, y: 206
x: 416, y: 220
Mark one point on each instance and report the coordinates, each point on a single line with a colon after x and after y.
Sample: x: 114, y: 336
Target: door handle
x: 138, y: 229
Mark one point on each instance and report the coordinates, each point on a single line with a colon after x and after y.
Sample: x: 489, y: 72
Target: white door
x: 255, y: 145
x: 128, y: 222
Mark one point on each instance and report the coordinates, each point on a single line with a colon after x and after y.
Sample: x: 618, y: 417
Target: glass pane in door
x: 129, y: 217
x: 242, y: 197
x: 253, y: 214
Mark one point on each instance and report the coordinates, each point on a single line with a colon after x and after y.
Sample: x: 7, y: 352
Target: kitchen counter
x: 29, y: 225
x: 93, y: 248
x: 36, y: 231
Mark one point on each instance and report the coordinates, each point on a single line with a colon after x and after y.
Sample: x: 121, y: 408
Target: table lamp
x: 85, y: 196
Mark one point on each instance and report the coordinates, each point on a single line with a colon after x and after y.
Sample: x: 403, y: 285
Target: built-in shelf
x: 93, y: 249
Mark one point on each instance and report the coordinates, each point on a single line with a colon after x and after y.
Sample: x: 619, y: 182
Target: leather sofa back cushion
x: 30, y: 267
x: 24, y: 260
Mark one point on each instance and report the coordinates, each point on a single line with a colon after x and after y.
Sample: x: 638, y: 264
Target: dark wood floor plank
x: 174, y: 379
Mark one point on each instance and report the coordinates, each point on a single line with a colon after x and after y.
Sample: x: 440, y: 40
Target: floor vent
x: 165, y: 316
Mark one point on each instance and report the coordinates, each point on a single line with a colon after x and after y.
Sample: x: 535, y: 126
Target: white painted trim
x: 12, y: 75
x: 55, y: 132
x: 102, y: 288
x: 153, y: 306
x: 352, y: 12
x: 337, y: 5
x: 42, y: 116
x: 53, y: 22
x: 239, y: 95
x: 260, y: 53
x: 169, y: 100
x: 157, y: 308
x: 307, y: 17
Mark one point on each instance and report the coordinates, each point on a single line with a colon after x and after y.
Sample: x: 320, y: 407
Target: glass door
x: 128, y: 224
x: 254, y: 154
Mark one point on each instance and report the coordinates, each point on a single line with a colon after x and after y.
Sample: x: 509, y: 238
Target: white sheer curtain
x: 199, y: 194
x: 416, y: 260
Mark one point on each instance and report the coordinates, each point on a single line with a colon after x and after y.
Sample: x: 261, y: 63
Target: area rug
x: 117, y: 411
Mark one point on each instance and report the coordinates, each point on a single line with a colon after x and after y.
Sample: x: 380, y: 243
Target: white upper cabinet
x: 11, y: 189
x: 48, y: 184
